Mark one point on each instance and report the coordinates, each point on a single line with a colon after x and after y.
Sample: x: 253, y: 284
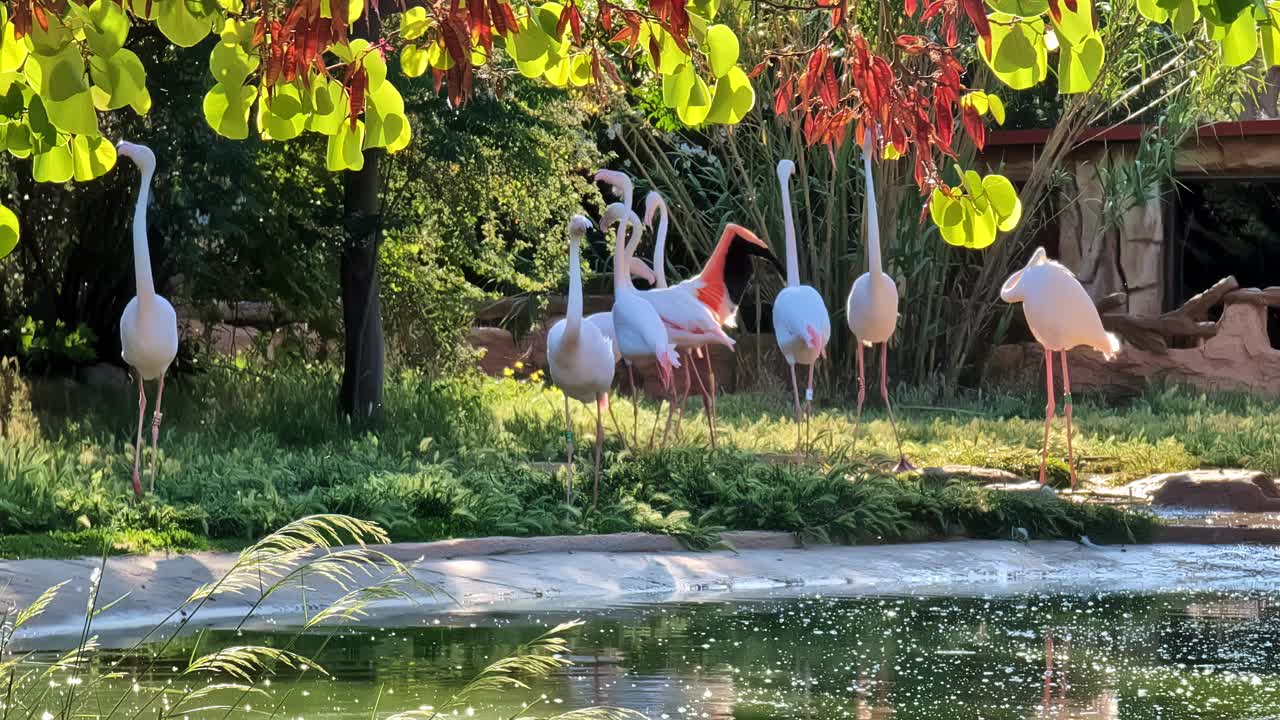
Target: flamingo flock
x: 675, y: 326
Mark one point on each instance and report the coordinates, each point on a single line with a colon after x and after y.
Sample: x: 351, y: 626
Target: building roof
x: 1134, y: 131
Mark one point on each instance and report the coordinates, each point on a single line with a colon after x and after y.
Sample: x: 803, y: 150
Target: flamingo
x: 690, y: 323
x: 640, y: 330
x: 801, y: 323
x: 872, y: 310
x: 149, y: 325
x: 580, y: 356
x: 1061, y: 316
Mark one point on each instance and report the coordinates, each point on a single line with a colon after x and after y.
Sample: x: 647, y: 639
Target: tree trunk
x: 361, y: 394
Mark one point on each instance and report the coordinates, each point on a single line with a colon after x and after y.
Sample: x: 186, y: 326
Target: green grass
x: 244, y: 452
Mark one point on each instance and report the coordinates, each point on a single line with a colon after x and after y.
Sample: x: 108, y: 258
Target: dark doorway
x: 1226, y: 227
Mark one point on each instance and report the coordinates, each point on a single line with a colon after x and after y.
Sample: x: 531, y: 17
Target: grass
x: 244, y: 453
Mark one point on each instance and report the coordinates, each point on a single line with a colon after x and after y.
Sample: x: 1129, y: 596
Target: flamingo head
x: 652, y: 202
x: 1012, y: 292
x: 613, y: 214
x: 640, y: 269
x: 141, y: 155
x: 616, y: 179
x: 786, y: 168
x: 578, y: 226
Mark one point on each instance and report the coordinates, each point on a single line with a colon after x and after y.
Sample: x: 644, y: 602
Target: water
x: 1167, y: 657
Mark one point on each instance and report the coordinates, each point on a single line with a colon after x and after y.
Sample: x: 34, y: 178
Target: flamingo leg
x: 795, y: 392
x: 903, y: 465
x: 635, y: 406
x: 568, y: 441
x: 137, y: 446
x: 1066, y: 402
x: 676, y: 396
x: 808, y: 407
x: 617, y: 427
x: 1048, y: 410
x: 684, y: 399
x: 595, y: 491
x: 706, y: 403
x: 862, y: 387
x: 711, y: 394
x: 653, y: 432
x: 155, y: 433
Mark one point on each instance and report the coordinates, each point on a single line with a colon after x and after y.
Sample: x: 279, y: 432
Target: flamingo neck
x: 622, y: 273
x: 789, y: 224
x: 873, y: 220
x: 573, y: 314
x: 146, y: 288
x: 660, y: 249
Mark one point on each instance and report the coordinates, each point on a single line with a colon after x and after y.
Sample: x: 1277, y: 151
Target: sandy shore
x: 478, y: 576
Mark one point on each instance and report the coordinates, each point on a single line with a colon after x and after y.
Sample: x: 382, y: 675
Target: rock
x: 498, y: 348
x: 1237, y: 490
x: 981, y: 475
x: 1023, y: 486
x: 104, y: 375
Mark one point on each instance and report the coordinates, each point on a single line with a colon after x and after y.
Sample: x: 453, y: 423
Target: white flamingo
x: 1061, y: 316
x: 872, y: 310
x: 801, y: 323
x: 149, y: 325
x: 580, y: 356
x: 640, y: 330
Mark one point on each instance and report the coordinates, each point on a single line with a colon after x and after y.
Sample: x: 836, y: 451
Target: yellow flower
x: 519, y: 365
x: 508, y: 372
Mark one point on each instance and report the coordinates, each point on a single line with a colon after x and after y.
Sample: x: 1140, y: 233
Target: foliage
x: 244, y: 452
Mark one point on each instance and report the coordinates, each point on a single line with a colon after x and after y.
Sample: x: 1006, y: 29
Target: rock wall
x: 1239, y: 357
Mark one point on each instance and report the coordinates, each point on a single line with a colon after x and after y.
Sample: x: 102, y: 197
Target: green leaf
x: 413, y: 61
x: 139, y: 8
x: 558, y: 74
x: 91, y: 157
x: 414, y: 23
x: 547, y: 17
x: 18, y: 141
x: 671, y: 56
x: 722, y: 49
x: 1240, y: 44
x: 1152, y: 11
x: 1074, y: 26
x: 973, y: 185
x: 976, y: 229
x: 1018, y: 55
x: 332, y: 103
x: 707, y: 8
x: 676, y: 87
x: 230, y: 64
x: 1271, y: 36
x: 944, y: 209
x: 51, y: 41
x: 1023, y: 8
x: 280, y: 115
x: 180, y: 25
x: 1184, y: 16
x: 13, y: 52
x: 108, y: 27
x: 696, y: 105
x: 53, y: 165
x: 402, y: 141
x: 996, y: 106
x: 118, y: 80
x: 582, y: 74
x: 43, y: 134
x: 1227, y: 12
x: 344, y: 150
x: 9, y: 229
x: 1004, y: 200
x: 65, y: 91
x: 226, y: 109
x: 374, y: 64
x: 384, y: 117
x: 1079, y: 65
x: 733, y: 98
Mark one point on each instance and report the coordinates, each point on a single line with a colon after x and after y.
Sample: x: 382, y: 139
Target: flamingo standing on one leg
x: 580, y: 356
x: 872, y: 310
x: 149, y: 325
x: 1061, y: 316
x: 801, y: 323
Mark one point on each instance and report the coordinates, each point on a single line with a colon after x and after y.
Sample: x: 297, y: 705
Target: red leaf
x: 575, y: 21
x: 612, y: 70
x: 606, y: 16
x: 978, y: 16
x: 933, y: 8
x: 655, y: 50
x: 357, y: 83
x: 911, y: 44
x: 439, y: 77
x: 499, y: 21
x: 829, y: 91
x: 1055, y: 10
x: 40, y: 17
x: 759, y: 68
x: 563, y: 22
x: 973, y: 125
x: 909, y: 7
x: 478, y: 16
x: 782, y: 101
x: 625, y: 35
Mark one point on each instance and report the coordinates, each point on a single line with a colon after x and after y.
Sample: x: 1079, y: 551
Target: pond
x: 1120, y: 655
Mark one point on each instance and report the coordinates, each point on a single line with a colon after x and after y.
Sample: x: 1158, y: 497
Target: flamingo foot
x: 904, y: 465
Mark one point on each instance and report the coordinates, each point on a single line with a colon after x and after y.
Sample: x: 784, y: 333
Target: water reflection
x: 1042, y: 657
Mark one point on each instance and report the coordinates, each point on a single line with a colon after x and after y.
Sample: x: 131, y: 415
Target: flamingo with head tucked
x: 801, y: 323
x: 580, y: 356
x: 872, y: 309
x: 1061, y: 316
x: 149, y: 325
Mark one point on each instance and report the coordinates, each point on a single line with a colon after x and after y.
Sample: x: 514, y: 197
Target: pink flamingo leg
x: 1066, y: 401
x: 1048, y: 410
x: 795, y: 391
x: 706, y: 403
x: 684, y: 399
x: 903, y: 465
x: 711, y: 394
x: 676, y: 396
x: 808, y: 408
x: 862, y: 388
x: 601, y: 401
x: 635, y: 406
x: 617, y: 426
x: 568, y: 441
x: 155, y: 434
x: 137, y: 446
